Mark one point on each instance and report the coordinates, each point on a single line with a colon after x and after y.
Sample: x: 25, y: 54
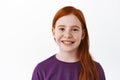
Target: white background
x: 26, y: 38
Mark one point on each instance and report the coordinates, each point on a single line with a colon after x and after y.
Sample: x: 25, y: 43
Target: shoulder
x: 46, y: 62
x: 101, y: 71
x: 100, y: 67
x: 42, y: 68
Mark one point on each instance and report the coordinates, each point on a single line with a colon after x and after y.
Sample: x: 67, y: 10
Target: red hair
x: 89, y: 68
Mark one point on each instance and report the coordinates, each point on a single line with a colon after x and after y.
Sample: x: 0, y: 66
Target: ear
x: 83, y: 34
x: 53, y: 31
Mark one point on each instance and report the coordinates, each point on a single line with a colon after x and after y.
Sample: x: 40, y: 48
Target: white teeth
x: 67, y: 42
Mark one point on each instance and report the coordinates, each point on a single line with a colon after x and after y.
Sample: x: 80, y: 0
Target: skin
x: 68, y: 34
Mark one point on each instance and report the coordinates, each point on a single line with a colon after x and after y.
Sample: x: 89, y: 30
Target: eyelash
x: 62, y: 29
x: 74, y: 29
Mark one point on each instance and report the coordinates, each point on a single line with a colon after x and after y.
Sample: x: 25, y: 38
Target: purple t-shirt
x: 54, y: 69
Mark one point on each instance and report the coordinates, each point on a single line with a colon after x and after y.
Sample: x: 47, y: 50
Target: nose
x: 67, y: 34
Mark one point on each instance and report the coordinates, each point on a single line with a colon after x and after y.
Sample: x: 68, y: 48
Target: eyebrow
x: 61, y: 26
x: 71, y: 26
x: 75, y: 26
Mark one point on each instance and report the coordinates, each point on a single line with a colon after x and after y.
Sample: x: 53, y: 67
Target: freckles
x: 78, y: 37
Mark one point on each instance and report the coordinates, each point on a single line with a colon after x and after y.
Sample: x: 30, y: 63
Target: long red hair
x: 89, y: 68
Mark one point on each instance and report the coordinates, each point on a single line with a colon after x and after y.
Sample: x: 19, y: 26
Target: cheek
x: 78, y: 38
x: 78, y: 35
x: 57, y: 35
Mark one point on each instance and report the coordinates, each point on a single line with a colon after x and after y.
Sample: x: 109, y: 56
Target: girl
x: 73, y: 61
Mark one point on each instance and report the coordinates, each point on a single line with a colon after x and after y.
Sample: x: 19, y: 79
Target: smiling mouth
x: 68, y: 42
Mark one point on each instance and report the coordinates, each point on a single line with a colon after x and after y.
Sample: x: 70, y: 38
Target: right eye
x: 61, y: 29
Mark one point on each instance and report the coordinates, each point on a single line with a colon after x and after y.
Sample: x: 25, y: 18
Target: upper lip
x: 68, y: 40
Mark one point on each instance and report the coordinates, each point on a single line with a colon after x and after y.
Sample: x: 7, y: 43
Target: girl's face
x: 68, y: 33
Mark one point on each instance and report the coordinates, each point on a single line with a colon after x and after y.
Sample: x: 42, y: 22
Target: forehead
x: 68, y: 20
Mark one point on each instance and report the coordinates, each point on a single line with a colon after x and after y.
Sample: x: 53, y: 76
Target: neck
x: 67, y: 56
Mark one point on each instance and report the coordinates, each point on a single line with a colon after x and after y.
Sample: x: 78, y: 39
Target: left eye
x: 74, y: 29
